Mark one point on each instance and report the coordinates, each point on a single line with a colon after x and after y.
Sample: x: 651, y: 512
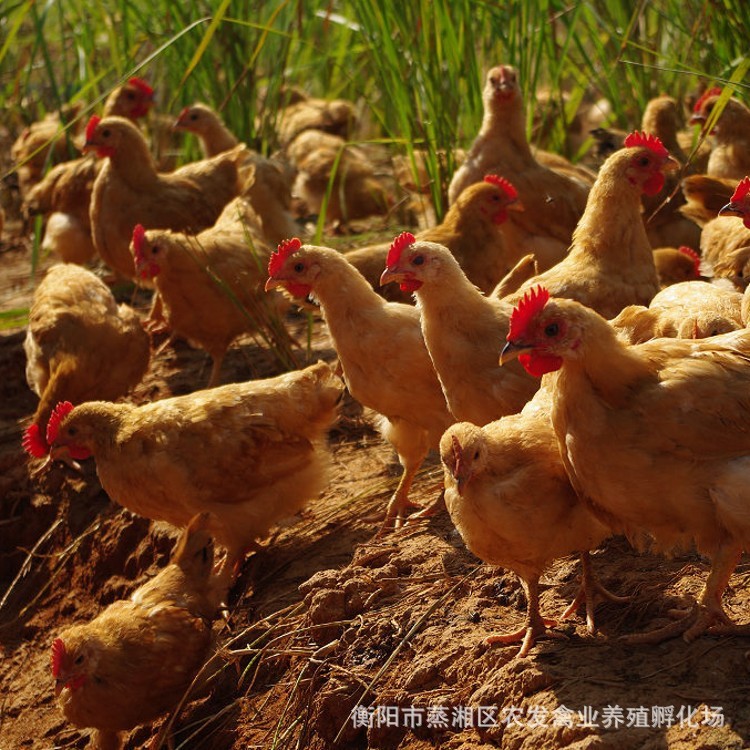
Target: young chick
x: 210, y: 285
x: 654, y: 437
x: 508, y: 494
x: 137, y: 658
x: 252, y: 453
x: 385, y: 362
x: 79, y: 344
x: 129, y: 191
x: 471, y: 230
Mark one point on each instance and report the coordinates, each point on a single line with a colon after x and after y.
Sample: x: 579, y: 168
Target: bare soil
x: 326, y: 618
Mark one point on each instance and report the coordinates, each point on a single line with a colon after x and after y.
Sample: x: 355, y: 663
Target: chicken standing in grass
x: 129, y: 191
x: 80, y: 345
x: 610, y: 264
x: 135, y: 661
x: 463, y: 329
x: 251, y: 453
x: 508, y: 494
x: 654, y: 437
x: 385, y: 362
x: 210, y: 285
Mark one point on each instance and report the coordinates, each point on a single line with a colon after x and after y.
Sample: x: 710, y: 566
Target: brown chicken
x: 730, y: 152
x: 251, y: 453
x: 324, y: 160
x: 210, y: 285
x: 129, y: 191
x: 471, y: 230
x: 64, y: 195
x: 610, y: 264
x: 31, y: 151
x: 654, y: 437
x: 135, y: 661
x: 79, y: 345
x: 199, y: 119
x: 687, y: 310
x: 676, y: 264
x: 705, y: 196
x: 463, y: 329
x: 553, y: 203
x: 509, y: 497
x: 385, y: 362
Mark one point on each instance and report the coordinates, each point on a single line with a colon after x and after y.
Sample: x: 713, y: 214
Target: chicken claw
x: 527, y: 634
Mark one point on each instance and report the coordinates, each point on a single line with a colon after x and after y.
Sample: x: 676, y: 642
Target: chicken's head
x: 132, y: 100
x: 145, y: 254
x: 646, y: 161
x: 68, y: 436
x: 463, y: 452
x: 501, y: 85
x: 542, y: 333
x: 704, y: 107
x: 494, y: 197
x: 294, y: 267
x: 194, y: 119
x: 99, y: 138
x: 740, y: 203
x: 72, y: 661
x: 411, y: 263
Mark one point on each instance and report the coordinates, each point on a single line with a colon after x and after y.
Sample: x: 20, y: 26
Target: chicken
x: 687, y: 310
x: 704, y: 196
x: 302, y: 112
x: 463, y: 330
x: 509, y: 497
x: 251, y: 453
x: 129, y: 191
x: 610, y: 264
x: 654, y: 437
x: 137, y: 658
x: 606, y: 142
x: 730, y: 152
x: 64, y: 195
x: 471, y: 230
x: 210, y: 285
x: 553, y: 203
x: 676, y: 264
x: 380, y: 347
x: 204, y: 122
x: 79, y: 345
x: 336, y: 179
x: 31, y: 151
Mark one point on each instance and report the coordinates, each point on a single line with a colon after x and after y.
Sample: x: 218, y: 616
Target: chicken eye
x: 418, y: 260
x: 476, y: 455
x: 644, y: 161
x: 106, y: 133
x: 551, y: 330
x: 72, y: 430
x: 155, y: 249
x: 130, y: 95
x: 194, y: 116
x: 79, y: 660
x: 299, y: 267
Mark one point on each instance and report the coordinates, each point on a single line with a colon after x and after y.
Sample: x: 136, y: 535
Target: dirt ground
x: 338, y: 640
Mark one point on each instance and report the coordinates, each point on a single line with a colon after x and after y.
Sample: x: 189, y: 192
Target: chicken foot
x: 591, y: 593
x: 536, y: 626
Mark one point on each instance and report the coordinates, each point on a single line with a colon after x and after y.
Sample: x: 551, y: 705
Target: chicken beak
x: 516, y: 205
x: 513, y: 350
x: 389, y: 275
x: 272, y: 283
x: 696, y: 119
x: 62, y: 453
x: 731, y: 209
x: 671, y: 165
x: 59, y: 687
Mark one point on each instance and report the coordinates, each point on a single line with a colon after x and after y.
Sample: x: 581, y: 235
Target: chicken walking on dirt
x: 135, y: 661
x: 382, y: 353
x: 252, y: 453
x: 654, y: 437
x: 508, y: 494
x: 80, y: 345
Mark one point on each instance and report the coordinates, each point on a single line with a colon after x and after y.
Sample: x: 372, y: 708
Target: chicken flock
x: 572, y: 343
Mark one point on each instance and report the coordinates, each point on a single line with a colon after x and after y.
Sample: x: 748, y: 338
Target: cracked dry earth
x: 336, y: 639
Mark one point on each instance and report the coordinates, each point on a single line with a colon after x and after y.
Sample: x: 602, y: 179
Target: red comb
x: 397, y: 247
x: 283, y: 251
x: 501, y: 182
x: 33, y: 443
x: 53, y: 426
x: 716, y: 91
x: 58, y: 654
x: 139, y: 235
x: 636, y: 139
x: 139, y: 83
x: 685, y: 250
x: 91, y: 127
x: 532, y: 302
x: 741, y: 191
x: 183, y: 112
